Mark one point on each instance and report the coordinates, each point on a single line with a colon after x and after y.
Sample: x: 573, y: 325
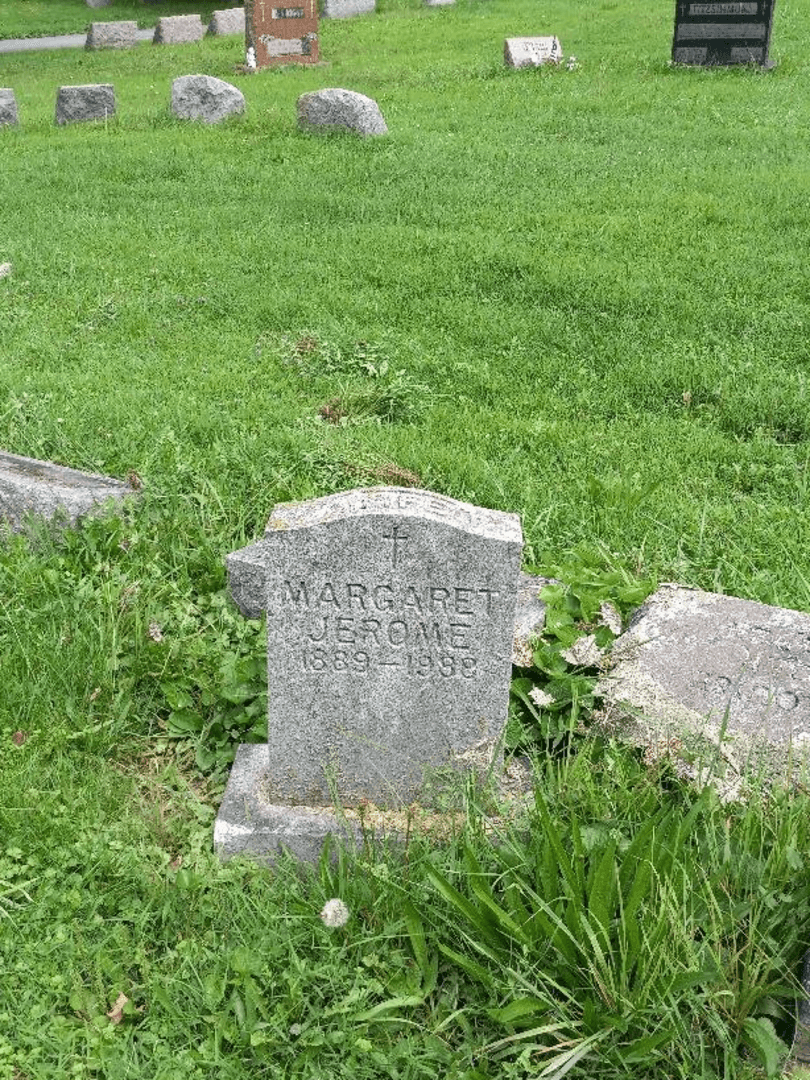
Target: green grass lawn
x: 578, y: 295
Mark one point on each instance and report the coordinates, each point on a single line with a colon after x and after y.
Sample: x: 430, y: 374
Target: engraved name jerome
x: 355, y: 627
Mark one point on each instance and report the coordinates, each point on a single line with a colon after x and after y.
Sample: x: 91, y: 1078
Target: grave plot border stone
x: 406, y: 678
x: 281, y: 34
x: 29, y: 487
x: 178, y: 30
x: 9, y: 114
x: 723, y: 32
x: 112, y: 35
x: 92, y: 101
x: 714, y: 675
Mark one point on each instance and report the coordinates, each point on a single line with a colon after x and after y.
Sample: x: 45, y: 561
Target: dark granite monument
x: 723, y: 32
x: 281, y: 35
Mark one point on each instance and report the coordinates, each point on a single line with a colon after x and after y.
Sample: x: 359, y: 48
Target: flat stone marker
x: 723, y: 32
x: 281, y: 35
x: 531, y: 51
x: 98, y: 3
x: 95, y: 101
x: 8, y: 107
x: 28, y: 486
x: 229, y: 21
x: 390, y: 625
x: 112, y: 35
x: 178, y: 30
x: 345, y: 9
x: 690, y: 659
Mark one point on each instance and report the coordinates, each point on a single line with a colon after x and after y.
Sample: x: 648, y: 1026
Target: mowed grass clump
x: 572, y: 294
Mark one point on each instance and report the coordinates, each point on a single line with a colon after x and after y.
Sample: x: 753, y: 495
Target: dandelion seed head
x: 334, y: 913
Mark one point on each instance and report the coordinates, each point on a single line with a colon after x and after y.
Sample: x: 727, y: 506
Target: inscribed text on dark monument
x: 722, y: 32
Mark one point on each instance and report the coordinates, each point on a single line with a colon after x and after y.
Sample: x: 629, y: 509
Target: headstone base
x: 249, y: 824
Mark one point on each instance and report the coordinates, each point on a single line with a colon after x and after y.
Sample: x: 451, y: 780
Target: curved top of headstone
x: 402, y: 501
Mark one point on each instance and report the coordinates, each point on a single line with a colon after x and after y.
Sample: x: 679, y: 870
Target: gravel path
x: 63, y: 41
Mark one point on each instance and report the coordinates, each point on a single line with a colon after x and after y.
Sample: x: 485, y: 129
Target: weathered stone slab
x: 95, y: 101
x: 335, y: 109
x: 390, y: 616
x: 98, y: 3
x: 701, y: 663
x: 723, y: 32
x: 438, y: 3
x: 229, y: 21
x: 801, y: 1041
x: 280, y: 35
x: 178, y: 30
x: 202, y: 97
x: 40, y: 488
x: 531, y: 51
x: 8, y: 107
x: 530, y: 617
x: 345, y: 9
x: 112, y: 35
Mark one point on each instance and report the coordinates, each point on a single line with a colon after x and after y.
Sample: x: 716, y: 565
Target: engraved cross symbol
x: 396, y: 537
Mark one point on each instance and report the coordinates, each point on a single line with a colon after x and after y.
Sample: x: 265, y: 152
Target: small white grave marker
x: 531, y: 51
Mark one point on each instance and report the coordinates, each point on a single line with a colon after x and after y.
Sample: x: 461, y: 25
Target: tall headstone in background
x: 178, y: 30
x: 723, y: 32
x: 390, y: 626
x: 112, y: 35
x: 276, y: 34
x: 345, y: 9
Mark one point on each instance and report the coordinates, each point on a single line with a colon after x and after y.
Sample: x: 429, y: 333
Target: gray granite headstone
x: 112, y: 35
x: 390, y: 624
x: 95, y: 101
x: 344, y: 9
x: 202, y: 97
x: 8, y: 107
x: 229, y: 21
x: 178, y: 30
x: 98, y: 3
x: 531, y: 51
x: 702, y: 663
x: 40, y: 488
x: 335, y: 109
